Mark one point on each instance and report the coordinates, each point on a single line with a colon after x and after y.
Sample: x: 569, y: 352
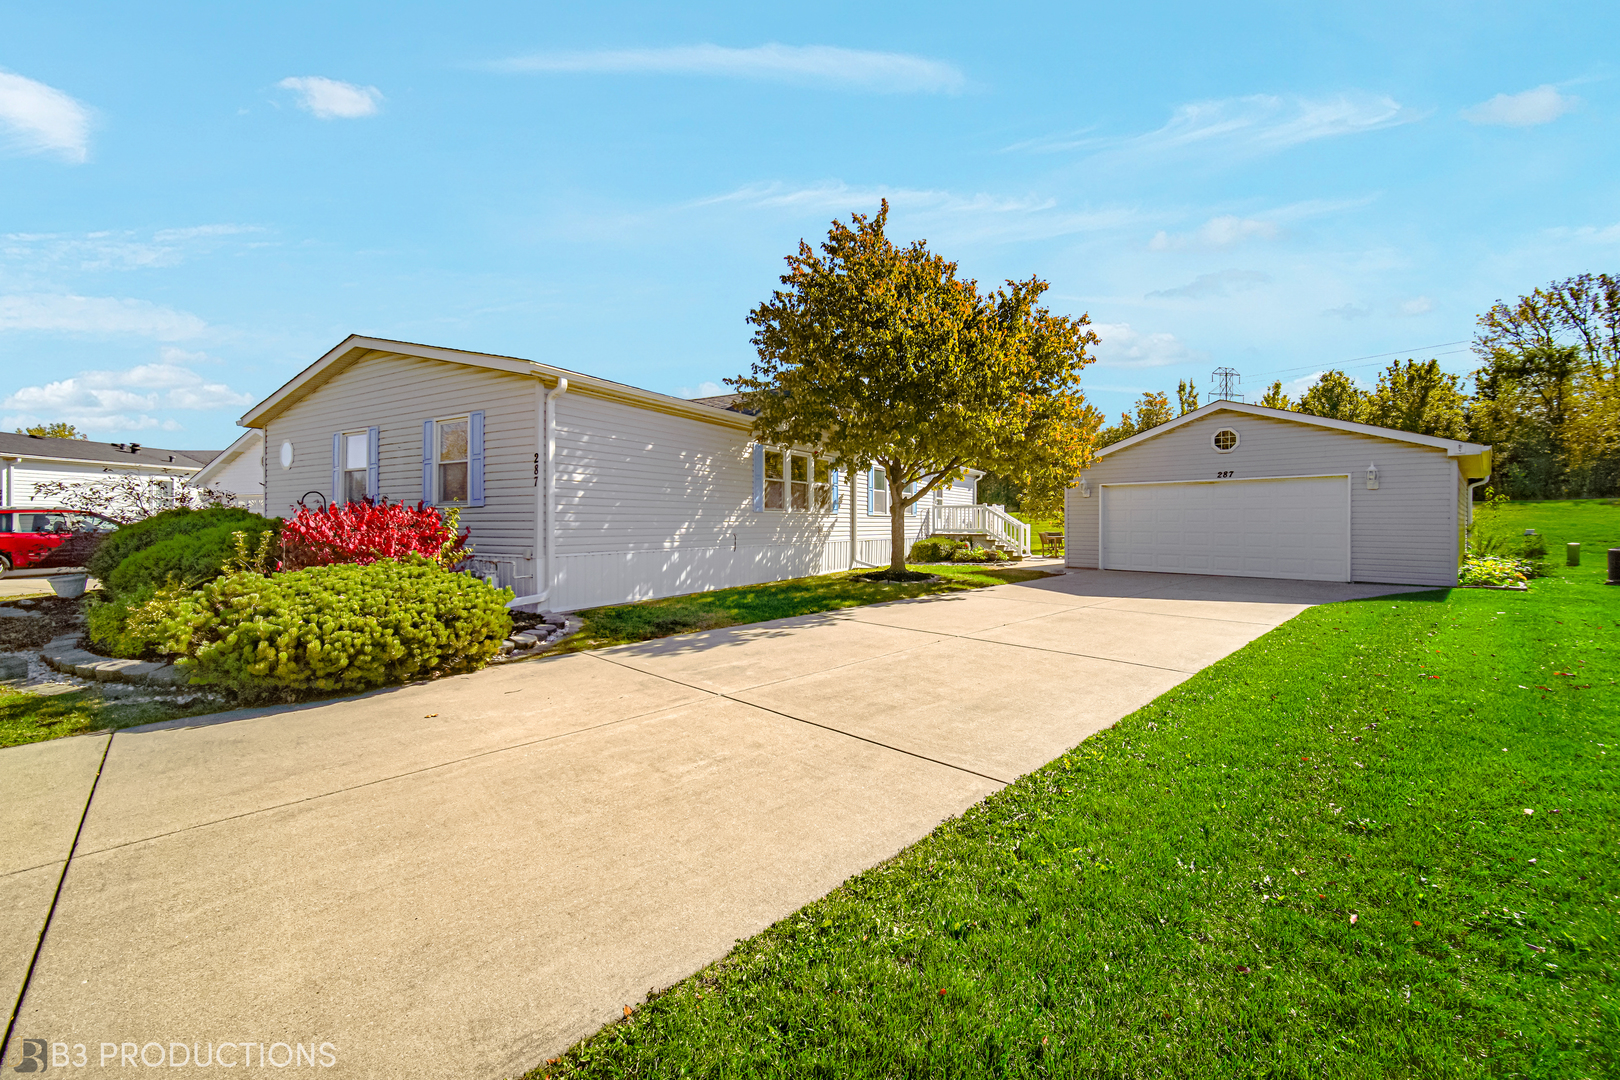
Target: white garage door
x: 1293, y: 528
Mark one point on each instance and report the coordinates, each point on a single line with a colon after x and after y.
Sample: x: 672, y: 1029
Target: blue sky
x: 196, y: 201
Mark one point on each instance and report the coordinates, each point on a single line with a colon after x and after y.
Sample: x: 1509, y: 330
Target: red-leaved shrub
x: 363, y: 532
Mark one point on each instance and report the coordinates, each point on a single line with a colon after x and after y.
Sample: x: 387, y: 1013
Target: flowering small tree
x: 363, y: 532
x: 128, y: 498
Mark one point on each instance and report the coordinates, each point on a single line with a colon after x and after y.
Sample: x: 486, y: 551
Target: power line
x: 1358, y: 359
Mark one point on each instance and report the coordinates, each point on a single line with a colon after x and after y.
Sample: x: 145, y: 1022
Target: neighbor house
x: 578, y: 491
x: 1246, y: 491
x: 238, y: 470
x: 29, y: 460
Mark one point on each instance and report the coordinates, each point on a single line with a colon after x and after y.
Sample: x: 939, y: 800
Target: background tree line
x: 1546, y: 396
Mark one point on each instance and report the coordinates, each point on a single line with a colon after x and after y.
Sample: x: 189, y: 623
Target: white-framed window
x: 880, y: 491
x: 1224, y: 441
x: 775, y: 480
x: 356, y: 458
x: 450, y: 445
x: 799, y: 481
x: 791, y: 481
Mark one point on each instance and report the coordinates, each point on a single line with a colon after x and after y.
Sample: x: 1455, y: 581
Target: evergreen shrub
x: 343, y: 627
x: 129, y: 539
x: 934, y: 549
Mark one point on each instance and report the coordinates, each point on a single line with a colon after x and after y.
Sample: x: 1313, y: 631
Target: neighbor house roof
x: 355, y: 348
x: 46, y: 448
x: 1477, y: 456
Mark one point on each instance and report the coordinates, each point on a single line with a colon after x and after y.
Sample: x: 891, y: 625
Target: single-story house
x: 578, y: 491
x: 1246, y: 491
x: 238, y: 470
x: 27, y: 460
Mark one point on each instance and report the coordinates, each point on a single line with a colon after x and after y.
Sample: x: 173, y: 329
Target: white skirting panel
x: 617, y: 577
x: 874, y: 552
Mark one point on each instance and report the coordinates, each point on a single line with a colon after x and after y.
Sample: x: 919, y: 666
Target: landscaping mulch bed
x: 47, y: 617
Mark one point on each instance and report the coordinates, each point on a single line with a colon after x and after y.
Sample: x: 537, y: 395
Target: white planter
x: 70, y: 586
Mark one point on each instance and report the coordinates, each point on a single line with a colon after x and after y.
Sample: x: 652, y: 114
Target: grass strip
x: 1378, y: 841
x: 27, y: 717
x: 623, y: 623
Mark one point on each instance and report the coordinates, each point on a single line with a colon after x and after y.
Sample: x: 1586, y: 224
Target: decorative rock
x: 525, y: 638
x: 169, y: 675
x: 136, y: 671
x: 13, y: 668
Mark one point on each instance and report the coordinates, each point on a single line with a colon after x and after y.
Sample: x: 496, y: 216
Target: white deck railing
x: 978, y: 520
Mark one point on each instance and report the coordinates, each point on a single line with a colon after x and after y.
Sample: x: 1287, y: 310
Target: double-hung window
x: 356, y: 458
x: 775, y: 481
x: 785, y: 480
x: 799, y: 471
x: 880, y: 490
x: 451, y: 445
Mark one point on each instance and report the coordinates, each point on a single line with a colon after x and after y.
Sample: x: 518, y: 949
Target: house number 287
x: 1224, y: 475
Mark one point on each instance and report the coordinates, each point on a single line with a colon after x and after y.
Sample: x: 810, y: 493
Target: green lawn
x: 775, y: 600
x: 27, y: 717
x: 1379, y: 841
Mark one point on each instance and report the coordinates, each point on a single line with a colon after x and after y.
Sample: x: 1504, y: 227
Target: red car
x: 31, y: 539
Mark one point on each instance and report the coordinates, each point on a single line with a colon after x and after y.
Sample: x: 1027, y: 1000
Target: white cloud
x: 704, y: 389
x: 1121, y: 345
x: 1229, y: 230
x: 109, y: 250
x: 941, y: 213
x: 330, y: 99
x: 1528, y: 108
x: 1219, y: 283
x: 1349, y: 311
x: 1218, y: 232
x: 39, y: 119
x: 856, y: 69
x: 1418, y: 305
x: 122, y: 400
x: 1249, y: 126
x: 66, y: 313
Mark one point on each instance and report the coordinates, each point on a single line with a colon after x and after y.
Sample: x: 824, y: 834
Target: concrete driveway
x: 471, y: 874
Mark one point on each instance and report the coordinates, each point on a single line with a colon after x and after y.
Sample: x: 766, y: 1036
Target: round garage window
x: 1225, y: 440
x: 286, y: 455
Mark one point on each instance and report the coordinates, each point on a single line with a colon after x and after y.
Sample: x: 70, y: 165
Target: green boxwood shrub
x: 934, y: 549
x: 187, y: 558
x: 343, y: 627
x: 140, y: 535
x: 109, y: 624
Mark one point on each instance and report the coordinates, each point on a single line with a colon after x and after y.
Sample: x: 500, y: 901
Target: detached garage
x: 1246, y: 491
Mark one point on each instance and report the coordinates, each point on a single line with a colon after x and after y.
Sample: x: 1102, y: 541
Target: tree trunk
x: 897, y: 530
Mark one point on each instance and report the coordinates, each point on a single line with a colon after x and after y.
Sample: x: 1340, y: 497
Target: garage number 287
x: 1223, y: 474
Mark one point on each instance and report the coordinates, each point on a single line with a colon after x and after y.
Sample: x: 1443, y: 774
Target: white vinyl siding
x: 1403, y: 533
x: 397, y: 394
x: 19, y: 477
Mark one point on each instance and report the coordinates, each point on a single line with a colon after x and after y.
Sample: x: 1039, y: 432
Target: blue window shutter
x: 475, y: 459
x: 427, y: 462
x: 373, y: 477
x: 837, y: 495
x: 337, y: 467
x: 759, y: 477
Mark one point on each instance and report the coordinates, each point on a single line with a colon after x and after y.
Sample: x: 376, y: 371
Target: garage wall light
x: 1085, y: 489
x: 1372, y: 477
